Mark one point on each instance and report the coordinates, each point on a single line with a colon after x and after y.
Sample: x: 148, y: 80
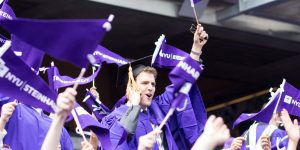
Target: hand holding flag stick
x: 184, y: 90
x: 73, y: 111
x: 194, y: 27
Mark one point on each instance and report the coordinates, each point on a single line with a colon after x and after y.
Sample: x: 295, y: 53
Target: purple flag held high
x: 88, y: 122
x: 104, y: 55
x: 19, y: 82
x: 57, y: 81
x: 290, y: 100
x: 183, y: 76
x: 96, y: 106
x: 6, y: 12
x: 68, y: 40
x: 167, y: 56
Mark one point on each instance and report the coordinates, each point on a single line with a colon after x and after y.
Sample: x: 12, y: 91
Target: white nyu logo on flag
x: 287, y: 99
x: 3, y: 68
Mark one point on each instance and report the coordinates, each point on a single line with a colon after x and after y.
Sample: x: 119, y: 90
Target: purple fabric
x: 6, y: 13
x: 290, y: 100
x: 19, y: 82
x: 181, y: 131
x: 96, y: 106
x: 186, y: 71
x: 276, y: 135
x: 2, y: 39
x: 27, y: 129
x: 117, y: 132
x: 168, y: 56
x: 196, y: 1
x: 68, y: 40
x: 104, y: 55
x: 30, y: 55
x: 263, y: 116
x: 57, y: 81
x: 88, y: 122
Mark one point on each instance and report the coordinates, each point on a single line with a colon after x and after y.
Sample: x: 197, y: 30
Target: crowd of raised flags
x: 74, y: 41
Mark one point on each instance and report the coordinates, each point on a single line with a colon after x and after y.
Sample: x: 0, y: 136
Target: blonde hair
x: 151, y: 70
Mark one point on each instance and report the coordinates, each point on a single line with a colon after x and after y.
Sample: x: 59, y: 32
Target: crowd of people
x: 139, y: 122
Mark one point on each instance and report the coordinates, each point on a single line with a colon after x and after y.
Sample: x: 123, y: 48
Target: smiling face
x: 146, y: 83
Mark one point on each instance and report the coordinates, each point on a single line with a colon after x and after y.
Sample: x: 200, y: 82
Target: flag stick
x: 73, y: 111
x: 195, y: 14
x: 194, y: 10
x: 169, y: 114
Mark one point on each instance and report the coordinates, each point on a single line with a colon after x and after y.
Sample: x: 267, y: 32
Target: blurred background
x: 252, y: 46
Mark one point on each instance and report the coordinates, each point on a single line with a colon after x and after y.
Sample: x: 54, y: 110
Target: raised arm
x: 198, y: 42
x: 129, y: 120
x: 65, y: 103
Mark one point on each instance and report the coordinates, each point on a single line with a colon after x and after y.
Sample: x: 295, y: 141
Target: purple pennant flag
x: 182, y: 77
x: 263, y: 116
x: 57, y: 81
x: 290, y: 100
x: 88, y: 122
x: 104, y: 55
x: 29, y: 54
x: 96, y: 106
x: 6, y: 13
x: 167, y: 56
x: 69, y: 40
x: 19, y: 82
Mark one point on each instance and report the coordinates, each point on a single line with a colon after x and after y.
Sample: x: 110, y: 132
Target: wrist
x: 3, y: 120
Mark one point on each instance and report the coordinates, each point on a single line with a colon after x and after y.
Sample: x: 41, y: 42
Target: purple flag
x: 196, y: 1
x: 57, y: 81
x: 6, y: 13
x: 104, y: 55
x: 96, y: 106
x: 167, y: 56
x: 19, y: 82
x: 29, y: 54
x: 263, y: 116
x: 69, y: 40
x: 183, y: 76
x: 88, y: 122
x: 290, y: 100
x: 2, y: 39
